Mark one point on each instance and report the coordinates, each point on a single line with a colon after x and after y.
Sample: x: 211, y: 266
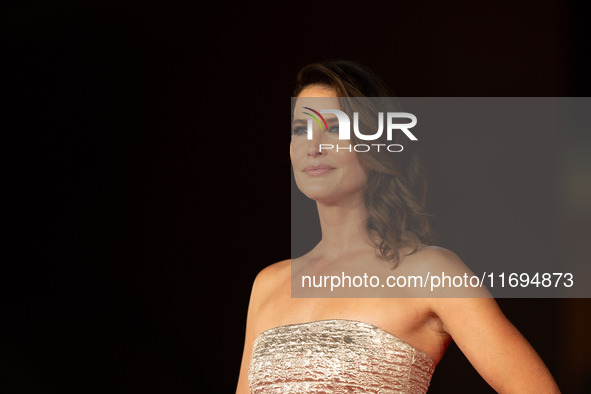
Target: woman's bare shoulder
x: 443, y: 274
x: 274, y: 271
x: 432, y: 257
x: 270, y: 277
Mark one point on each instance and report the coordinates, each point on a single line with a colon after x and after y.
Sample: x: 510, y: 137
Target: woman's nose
x: 314, y: 147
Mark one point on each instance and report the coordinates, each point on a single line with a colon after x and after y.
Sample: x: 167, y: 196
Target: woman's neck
x: 343, y: 229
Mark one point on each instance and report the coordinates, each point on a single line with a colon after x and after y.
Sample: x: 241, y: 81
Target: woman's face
x: 325, y: 175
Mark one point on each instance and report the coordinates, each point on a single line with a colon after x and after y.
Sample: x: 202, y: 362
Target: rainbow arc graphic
x: 315, y: 118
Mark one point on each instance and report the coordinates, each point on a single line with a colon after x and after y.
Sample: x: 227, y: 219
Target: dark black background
x: 147, y: 181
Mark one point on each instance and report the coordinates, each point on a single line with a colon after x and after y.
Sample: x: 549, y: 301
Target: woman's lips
x: 318, y: 170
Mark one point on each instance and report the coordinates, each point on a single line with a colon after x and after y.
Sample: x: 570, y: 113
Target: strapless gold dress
x: 336, y: 356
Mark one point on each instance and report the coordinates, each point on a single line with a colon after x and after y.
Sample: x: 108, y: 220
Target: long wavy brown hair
x: 396, y: 188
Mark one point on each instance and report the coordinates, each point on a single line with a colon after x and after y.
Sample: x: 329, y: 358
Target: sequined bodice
x: 336, y: 356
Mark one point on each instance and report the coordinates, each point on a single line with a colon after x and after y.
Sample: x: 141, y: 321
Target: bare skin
x: 490, y: 342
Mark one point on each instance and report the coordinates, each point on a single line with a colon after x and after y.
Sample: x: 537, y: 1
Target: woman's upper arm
x: 243, y: 387
x: 493, y: 345
x: 260, y: 288
x: 496, y: 349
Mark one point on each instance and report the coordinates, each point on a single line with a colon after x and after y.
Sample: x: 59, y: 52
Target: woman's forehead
x: 317, y: 103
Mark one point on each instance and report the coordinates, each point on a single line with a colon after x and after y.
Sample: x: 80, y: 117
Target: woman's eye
x: 334, y: 129
x: 299, y: 131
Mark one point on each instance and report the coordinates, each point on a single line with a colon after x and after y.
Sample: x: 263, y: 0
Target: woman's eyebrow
x: 331, y: 120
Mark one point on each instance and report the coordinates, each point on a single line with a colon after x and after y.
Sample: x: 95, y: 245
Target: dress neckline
x: 357, y: 322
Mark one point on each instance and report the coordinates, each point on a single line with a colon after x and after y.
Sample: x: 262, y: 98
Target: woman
x: 371, y: 211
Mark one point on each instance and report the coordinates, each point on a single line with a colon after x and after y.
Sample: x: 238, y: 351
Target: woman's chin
x: 322, y: 197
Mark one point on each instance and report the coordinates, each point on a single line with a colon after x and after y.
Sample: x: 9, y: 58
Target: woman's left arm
x: 496, y: 349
